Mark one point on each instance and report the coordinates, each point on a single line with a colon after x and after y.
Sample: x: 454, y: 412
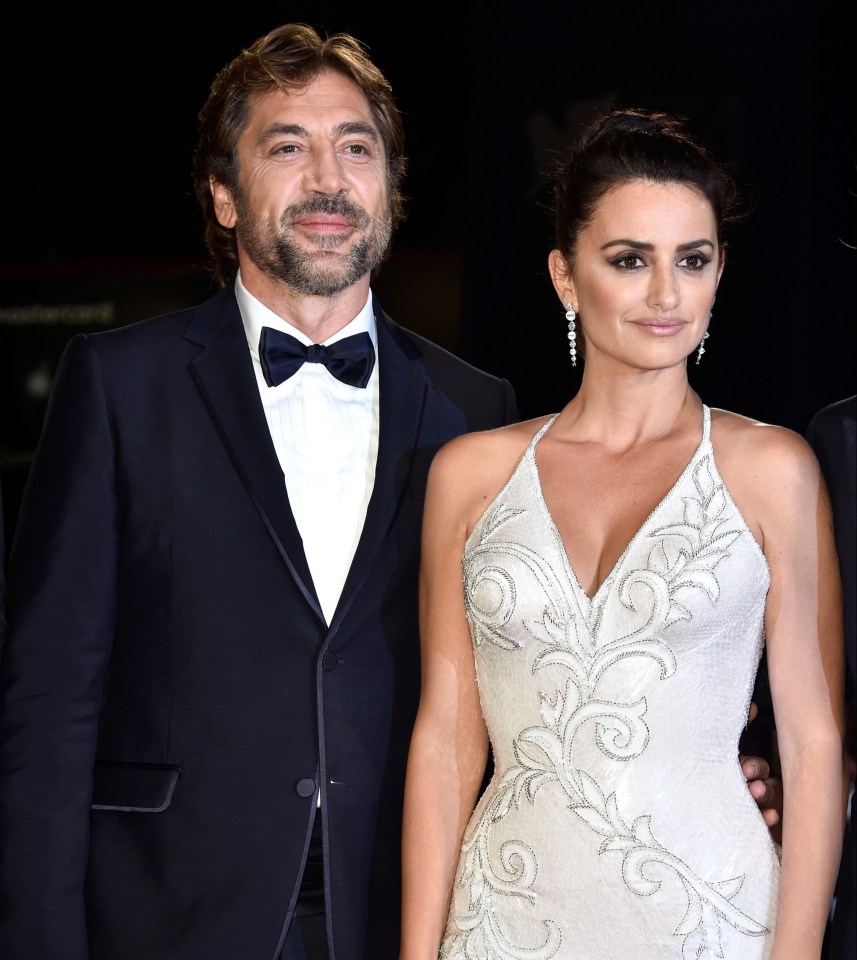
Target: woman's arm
x: 449, y: 745
x: 803, y: 625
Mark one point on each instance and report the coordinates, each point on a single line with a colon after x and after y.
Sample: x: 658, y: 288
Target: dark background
x: 100, y: 226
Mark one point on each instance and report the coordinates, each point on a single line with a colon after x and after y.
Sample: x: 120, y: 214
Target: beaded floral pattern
x: 682, y: 558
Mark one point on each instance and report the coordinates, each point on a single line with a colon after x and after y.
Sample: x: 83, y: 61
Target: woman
x: 622, y: 562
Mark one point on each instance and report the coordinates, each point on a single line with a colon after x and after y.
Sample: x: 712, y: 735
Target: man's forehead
x: 329, y: 99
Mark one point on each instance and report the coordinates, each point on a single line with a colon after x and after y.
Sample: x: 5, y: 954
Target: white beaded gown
x: 618, y: 824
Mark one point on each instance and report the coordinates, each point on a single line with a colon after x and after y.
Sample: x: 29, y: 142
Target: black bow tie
x: 350, y: 360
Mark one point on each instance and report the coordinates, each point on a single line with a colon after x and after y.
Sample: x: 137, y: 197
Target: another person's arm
x: 764, y: 788
x: 449, y: 746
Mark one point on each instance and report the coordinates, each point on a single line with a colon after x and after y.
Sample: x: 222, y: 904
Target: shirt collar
x: 256, y: 315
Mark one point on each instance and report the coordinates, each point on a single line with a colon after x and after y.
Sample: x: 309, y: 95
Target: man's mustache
x: 334, y: 205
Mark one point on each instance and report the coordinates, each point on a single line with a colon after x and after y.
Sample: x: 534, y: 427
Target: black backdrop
x: 101, y: 227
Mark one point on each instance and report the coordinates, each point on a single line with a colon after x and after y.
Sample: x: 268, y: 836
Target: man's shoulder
x: 834, y: 416
x: 441, y: 364
x: 474, y: 398
x: 195, y: 322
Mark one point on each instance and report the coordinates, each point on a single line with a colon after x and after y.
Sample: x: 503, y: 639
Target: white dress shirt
x: 325, y: 433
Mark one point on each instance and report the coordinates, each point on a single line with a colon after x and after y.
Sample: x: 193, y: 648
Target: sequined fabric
x: 617, y: 825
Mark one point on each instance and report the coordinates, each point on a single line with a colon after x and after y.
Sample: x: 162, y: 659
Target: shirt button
x: 305, y: 787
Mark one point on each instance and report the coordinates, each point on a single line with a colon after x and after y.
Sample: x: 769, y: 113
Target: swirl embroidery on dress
x: 684, y: 556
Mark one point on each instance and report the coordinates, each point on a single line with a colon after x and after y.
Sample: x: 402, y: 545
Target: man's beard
x: 319, y: 272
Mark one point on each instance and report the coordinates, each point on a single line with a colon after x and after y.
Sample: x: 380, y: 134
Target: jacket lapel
x: 402, y: 399
x: 224, y: 374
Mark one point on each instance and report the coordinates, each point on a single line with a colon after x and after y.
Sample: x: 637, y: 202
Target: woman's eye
x: 628, y: 261
x: 694, y: 261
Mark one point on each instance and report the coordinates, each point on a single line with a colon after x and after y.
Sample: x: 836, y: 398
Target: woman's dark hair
x: 634, y: 144
x: 290, y: 56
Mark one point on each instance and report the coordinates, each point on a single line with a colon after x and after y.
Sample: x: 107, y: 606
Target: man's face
x: 312, y: 209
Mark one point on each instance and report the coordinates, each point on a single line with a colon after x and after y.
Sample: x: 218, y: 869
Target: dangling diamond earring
x: 701, y: 349
x: 570, y: 315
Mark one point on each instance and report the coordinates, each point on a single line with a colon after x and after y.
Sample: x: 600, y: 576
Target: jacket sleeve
x: 512, y: 414
x: 62, y: 578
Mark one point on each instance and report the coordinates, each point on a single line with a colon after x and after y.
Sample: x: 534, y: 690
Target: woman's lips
x: 661, y: 328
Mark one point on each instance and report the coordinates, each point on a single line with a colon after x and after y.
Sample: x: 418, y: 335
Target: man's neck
x: 318, y: 318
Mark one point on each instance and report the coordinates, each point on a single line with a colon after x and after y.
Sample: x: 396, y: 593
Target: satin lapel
x: 224, y: 374
x: 402, y: 400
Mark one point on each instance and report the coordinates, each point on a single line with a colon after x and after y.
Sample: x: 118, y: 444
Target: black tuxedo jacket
x: 172, y: 698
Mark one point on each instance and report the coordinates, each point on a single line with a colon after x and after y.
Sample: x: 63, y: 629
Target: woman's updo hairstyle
x: 635, y: 144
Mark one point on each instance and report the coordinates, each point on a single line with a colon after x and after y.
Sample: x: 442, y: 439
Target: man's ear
x: 561, y: 278
x: 224, y: 206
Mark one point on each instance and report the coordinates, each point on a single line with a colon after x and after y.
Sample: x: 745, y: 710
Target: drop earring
x: 701, y: 349
x: 570, y: 315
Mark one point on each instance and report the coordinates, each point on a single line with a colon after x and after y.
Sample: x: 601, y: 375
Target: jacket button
x: 305, y: 787
x: 330, y: 661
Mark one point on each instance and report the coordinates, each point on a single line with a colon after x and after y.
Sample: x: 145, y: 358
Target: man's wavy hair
x: 289, y: 57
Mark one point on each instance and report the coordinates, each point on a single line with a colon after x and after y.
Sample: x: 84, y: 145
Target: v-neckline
x: 611, y: 575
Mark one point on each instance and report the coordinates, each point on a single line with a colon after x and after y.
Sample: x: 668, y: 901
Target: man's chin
x: 320, y: 282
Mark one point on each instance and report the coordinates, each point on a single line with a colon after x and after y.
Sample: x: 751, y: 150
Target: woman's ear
x: 561, y: 278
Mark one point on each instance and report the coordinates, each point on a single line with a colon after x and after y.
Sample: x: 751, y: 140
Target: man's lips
x: 321, y: 223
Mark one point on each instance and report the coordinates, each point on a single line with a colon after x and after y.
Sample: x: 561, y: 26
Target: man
x: 213, y: 663
x: 213, y: 667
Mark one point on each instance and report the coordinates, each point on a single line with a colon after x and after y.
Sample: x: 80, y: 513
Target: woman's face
x: 645, y: 274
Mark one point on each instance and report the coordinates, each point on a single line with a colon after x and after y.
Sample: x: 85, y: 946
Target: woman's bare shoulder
x: 766, y: 467
x: 485, y: 449
x: 473, y: 468
x: 736, y: 435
